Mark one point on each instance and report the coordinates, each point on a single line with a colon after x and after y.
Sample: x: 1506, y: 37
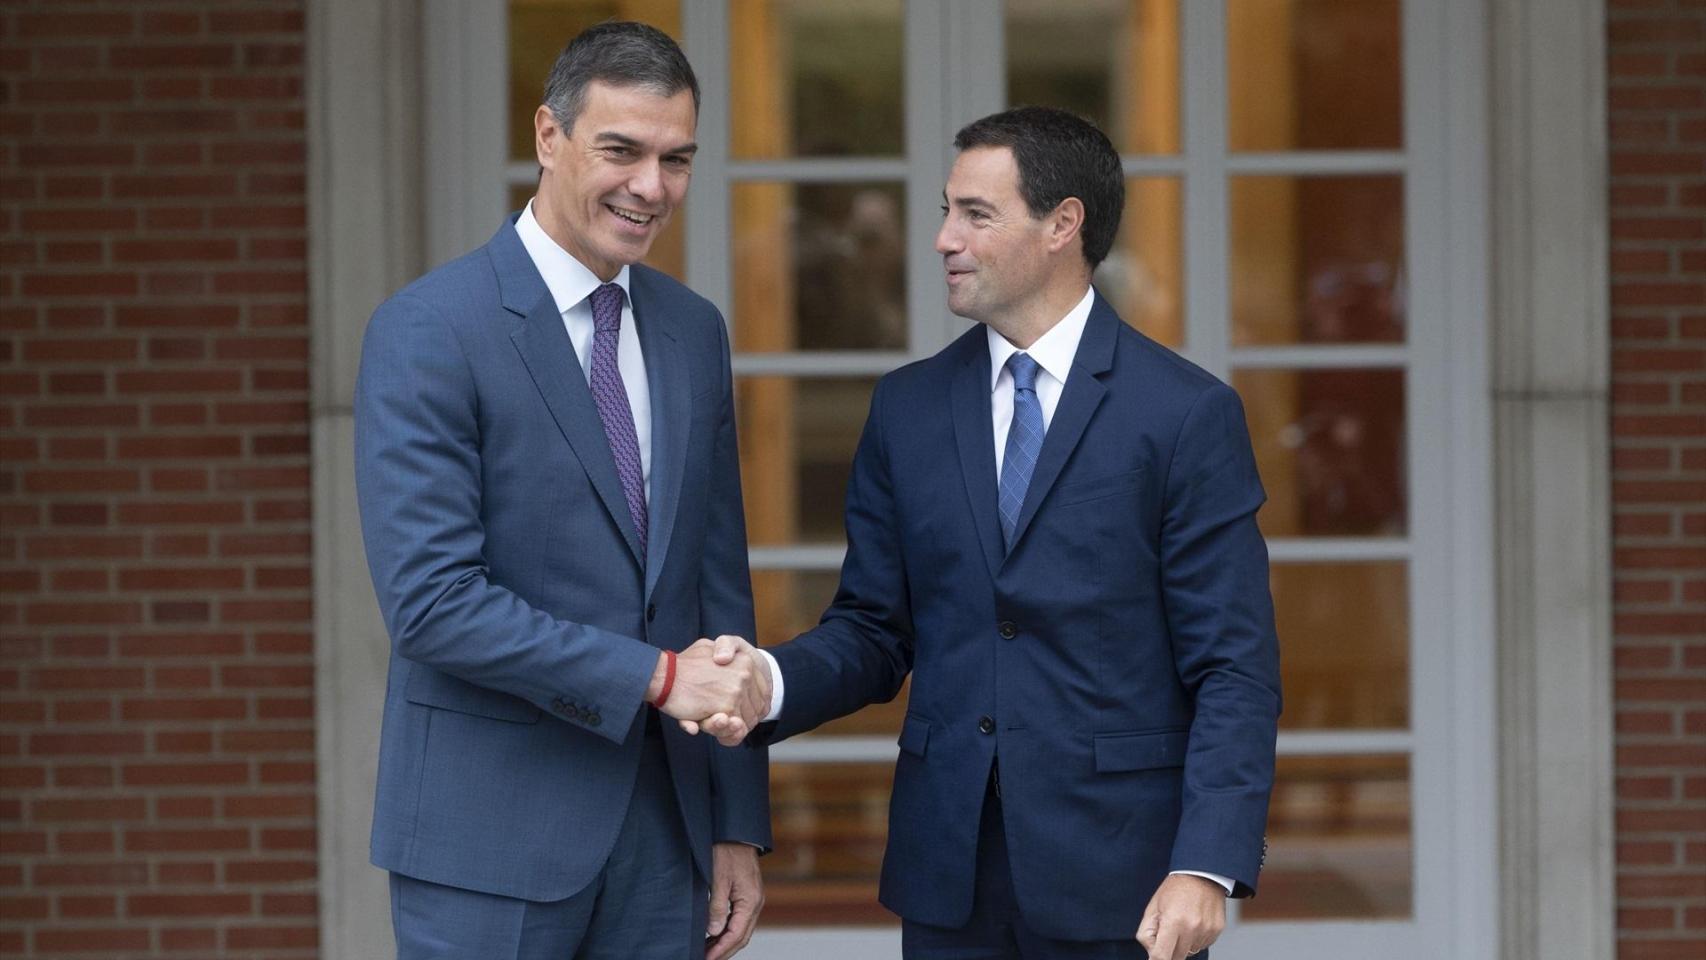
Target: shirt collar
x: 568, y: 279
x: 1053, y: 351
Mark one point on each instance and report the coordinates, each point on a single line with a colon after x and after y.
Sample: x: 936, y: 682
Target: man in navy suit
x: 550, y: 500
x: 1051, y: 526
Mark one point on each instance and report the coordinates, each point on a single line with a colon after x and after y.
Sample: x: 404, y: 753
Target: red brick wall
x: 1657, y: 77
x: 156, y: 692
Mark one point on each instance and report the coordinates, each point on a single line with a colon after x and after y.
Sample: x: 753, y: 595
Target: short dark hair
x: 621, y: 53
x: 1059, y: 155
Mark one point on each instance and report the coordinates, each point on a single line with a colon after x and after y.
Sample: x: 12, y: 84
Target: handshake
x: 721, y: 688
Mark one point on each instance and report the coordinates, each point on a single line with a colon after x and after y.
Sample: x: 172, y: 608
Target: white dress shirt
x: 1053, y: 352
x: 571, y: 285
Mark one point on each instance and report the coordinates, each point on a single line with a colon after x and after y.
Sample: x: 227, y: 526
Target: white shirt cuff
x: 1217, y: 878
x: 1205, y: 875
x: 775, y: 686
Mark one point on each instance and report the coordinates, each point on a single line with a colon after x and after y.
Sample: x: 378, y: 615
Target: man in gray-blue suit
x: 550, y: 499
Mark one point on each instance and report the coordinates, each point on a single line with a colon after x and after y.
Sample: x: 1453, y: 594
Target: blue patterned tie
x: 611, y: 396
x: 1024, y: 441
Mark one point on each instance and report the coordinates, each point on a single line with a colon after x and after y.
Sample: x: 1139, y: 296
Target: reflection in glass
x: 1317, y: 260
x: 668, y: 252
x: 538, y: 31
x: 1314, y: 75
x: 1143, y: 277
x: 1330, y: 448
x: 819, y: 266
x: 830, y: 822
x: 1115, y: 63
x: 796, y: 446
x: 1338, y: 841
x: 1345, y: 632
x: 815, y: 78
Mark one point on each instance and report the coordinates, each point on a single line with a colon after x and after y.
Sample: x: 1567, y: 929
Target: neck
x: 560, y: 235
x: 1039, y: 314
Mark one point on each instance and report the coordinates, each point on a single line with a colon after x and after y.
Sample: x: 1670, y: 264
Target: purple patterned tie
x: 612, y: 399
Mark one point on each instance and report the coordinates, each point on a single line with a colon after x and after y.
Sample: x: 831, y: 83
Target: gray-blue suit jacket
x: 524, y: 626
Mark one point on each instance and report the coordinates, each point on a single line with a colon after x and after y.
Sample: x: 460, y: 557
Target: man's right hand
x: 736, y: 690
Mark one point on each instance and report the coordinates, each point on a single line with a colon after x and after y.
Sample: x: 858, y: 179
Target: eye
x: 944, y: 211
x: 679, y: 162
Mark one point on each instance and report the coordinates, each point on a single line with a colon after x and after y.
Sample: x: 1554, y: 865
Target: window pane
x: 1330, y: 448
x: 1317, y: 260
x: 819, y: 266
x: 1143, y: 276
x: 1345, y: 636
x: 789, y: 602
x: 668, y: 250
x: 830, y: 822
x: 796, y: 446
x: 538, y: 31
x: 1314, y: 75
x: 1116, y: 63
x: 1338, y: 841
x: 815, y: 78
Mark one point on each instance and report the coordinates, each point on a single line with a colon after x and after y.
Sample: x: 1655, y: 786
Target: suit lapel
x: 973, y: 436
x: 669, y: 385
x: 1083, y: 394
x: 550, y: 359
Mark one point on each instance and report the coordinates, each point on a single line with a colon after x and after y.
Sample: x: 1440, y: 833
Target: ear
x: 1065, y: 222
x: 548, y: 137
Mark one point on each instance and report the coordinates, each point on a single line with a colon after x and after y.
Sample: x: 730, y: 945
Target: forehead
x: 987, y: 172
x: 636, y: 111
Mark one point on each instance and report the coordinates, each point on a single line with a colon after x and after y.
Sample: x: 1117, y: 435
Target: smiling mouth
x: 632, y: 216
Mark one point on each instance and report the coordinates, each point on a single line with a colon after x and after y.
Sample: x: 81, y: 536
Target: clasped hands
x: 721, y: 687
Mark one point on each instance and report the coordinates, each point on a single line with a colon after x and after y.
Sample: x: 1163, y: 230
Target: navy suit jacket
x: 1121, y: 658
x: 524, y: 626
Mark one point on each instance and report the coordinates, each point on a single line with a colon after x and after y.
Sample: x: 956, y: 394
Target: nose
x: 948, y: 239
x: 647, y: 181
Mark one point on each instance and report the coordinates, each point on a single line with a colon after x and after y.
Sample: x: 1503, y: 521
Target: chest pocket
x: 1098, y: 488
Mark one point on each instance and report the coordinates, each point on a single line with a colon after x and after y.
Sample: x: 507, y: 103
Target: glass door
x: 1285, y: 228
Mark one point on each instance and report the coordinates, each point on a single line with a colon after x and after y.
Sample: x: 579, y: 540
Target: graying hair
x: 621, y: 53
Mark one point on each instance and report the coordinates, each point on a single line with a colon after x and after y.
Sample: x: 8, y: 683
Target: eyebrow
x: 619, y: 140
x: 971, y: 201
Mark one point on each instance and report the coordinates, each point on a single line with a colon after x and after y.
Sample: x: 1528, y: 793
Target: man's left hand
x: 1184, y: 917
x: 737, y: 894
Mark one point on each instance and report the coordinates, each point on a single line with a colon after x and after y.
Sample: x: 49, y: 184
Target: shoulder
x: 932, y: 376
x: 462, y: 288
x: 469, y: 273
x: 1162, y: 374
x: 651, y: 287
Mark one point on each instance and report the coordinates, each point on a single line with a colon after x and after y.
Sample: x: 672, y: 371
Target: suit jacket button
x: 651, y: 612
x: 985, y: 725
x: 592, y: 719
x: 1008, y: 629
x: 557, y: 705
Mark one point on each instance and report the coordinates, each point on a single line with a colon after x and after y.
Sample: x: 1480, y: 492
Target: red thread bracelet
x: 668, y: 678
